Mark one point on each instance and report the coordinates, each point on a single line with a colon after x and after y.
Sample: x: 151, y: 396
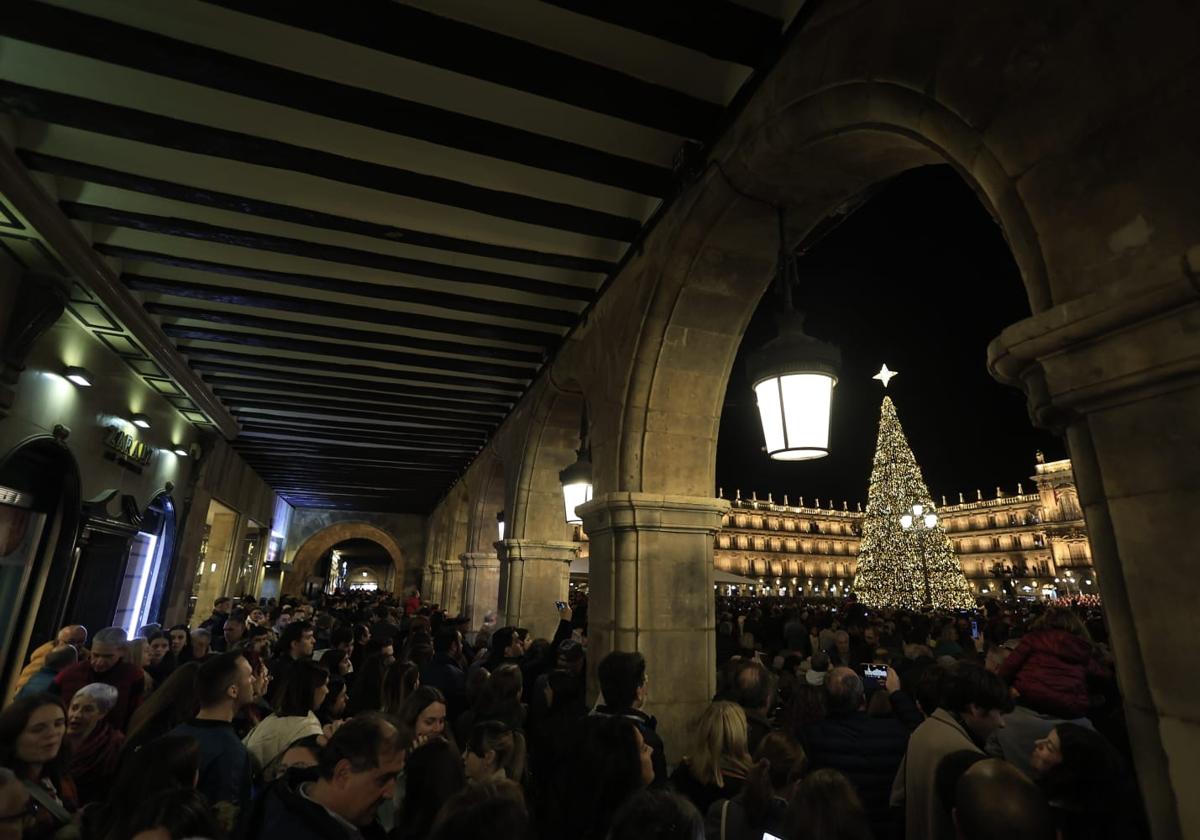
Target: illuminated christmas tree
x: 904, y: 558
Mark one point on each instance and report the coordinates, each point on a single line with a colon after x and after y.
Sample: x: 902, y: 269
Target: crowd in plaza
x: 367, y: 716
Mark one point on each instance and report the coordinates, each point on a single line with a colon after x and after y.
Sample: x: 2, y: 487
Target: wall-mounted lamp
x: 500, y: 524
x: 576, y: 479
x: 79, y: 376
x: 181, y: 452
x: 140, y: 420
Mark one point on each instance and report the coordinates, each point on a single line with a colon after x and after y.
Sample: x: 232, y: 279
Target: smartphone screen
x: 875, y: 672
x: 974, y: 629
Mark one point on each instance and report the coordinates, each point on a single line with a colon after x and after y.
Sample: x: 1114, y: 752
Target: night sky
x: 919, y: 277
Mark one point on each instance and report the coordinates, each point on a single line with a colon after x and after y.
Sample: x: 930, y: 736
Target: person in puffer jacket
x: 1051, y: 664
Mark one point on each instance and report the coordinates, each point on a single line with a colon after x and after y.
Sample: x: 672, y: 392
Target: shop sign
x: 128, y: 447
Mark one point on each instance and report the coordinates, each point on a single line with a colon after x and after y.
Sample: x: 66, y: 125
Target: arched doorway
x: 312, y: 566
x: 39, y: 521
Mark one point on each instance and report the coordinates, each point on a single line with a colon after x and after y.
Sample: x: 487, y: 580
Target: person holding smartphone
x: 868, y: 750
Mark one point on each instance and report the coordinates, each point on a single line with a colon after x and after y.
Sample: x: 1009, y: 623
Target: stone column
x: 651, y: 590
x: 433, y: 583
x: 1119, y: 372
x: 534, y: 574
x: 481, y: 589
x: 452, y: 598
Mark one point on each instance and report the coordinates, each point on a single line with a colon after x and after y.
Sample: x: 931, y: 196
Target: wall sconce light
x: 140, y: 420
x: 79, y: 376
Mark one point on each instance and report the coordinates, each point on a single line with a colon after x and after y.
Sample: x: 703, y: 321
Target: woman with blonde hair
x: 720, y: 757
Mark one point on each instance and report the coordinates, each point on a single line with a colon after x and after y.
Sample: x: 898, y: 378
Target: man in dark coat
x: 445, y: 673
x: 355, y: 774
x: 868, y: 750
x: 215, y: 623
x: 622, y: 676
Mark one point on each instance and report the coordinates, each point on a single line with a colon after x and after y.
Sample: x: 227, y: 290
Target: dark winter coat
x: 867, y: 750
x: 647, y: 725
x: 703, y: 794
x: 285, y: 812
x: 1049, y: 669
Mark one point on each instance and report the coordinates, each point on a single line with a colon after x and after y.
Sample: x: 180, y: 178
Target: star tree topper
x: 884, y: 375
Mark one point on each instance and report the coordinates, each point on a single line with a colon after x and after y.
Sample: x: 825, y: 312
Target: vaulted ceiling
x: 368, y: 225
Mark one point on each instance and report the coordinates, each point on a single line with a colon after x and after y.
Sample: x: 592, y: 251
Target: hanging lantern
x: 500, y: 524
x: 576, y: 479
x: 793, y: 376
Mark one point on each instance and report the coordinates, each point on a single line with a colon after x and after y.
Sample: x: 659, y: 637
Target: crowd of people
x: 366, y: 716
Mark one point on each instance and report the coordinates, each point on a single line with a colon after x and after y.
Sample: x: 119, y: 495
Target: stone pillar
x: 651, y: 590
x: 534, y: 575
x: 1119, y: 372
x: 452, y: 598
x: 433, y: 583
x: 481, y: 589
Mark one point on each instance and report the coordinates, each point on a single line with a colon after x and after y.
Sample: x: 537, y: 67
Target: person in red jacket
x: 1051, y: 664
x: 107, y: 665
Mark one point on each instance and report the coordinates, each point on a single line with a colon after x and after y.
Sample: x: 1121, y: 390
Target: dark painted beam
x: 393, y: 339
x: 346, y: 311
x: 348, y: 351
x: 214, y: 371
x: 149, y: 52
x: 157, y: 130
x: 412, y: 455
x: 324, y: 366
x: 253, y: 403
x: 461, y: 48
x: 204, y: 232
x: 333, y: 430
x: 267, y: 452
x: 303, y: 216
x: 724, y: 30
x: 277, y: 390
x: 336, y: 424
x: 342, y: 286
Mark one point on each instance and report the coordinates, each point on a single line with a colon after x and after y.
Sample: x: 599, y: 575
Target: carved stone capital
x: 1111, y: 346
x: 652, y: 512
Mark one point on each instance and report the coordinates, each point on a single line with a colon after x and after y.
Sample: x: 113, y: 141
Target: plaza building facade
x: 1031, y: 545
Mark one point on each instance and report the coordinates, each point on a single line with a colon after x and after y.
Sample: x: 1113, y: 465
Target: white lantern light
x: 906, y: 521
x: 930, y: 520
x: 500, y: 525
x: 794, y: 409
x: 576, y: 479
x: 793, y: 376
x: 918, y: 510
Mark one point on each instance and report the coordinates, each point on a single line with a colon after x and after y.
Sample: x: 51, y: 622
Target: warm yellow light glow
x: 574, y: 495
x: 794, y: 410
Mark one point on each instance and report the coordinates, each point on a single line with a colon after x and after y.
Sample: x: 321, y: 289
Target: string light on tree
x: 904, y: 559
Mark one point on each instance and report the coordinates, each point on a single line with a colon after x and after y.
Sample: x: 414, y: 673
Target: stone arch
x: 488, y: 481
x: 719, y: 260
x: 540, y: 440
x: 304, y: 562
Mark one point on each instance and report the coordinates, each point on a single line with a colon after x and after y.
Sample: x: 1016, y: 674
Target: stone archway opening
x: 359, y: 545
x: 654, y: 518
x: 918, y: 276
